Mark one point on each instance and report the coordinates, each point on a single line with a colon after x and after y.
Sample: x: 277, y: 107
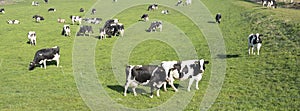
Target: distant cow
x: 81, y: 10
x: 66, y: 30
x: 44, y: 55
x: 13, y: 22
x: 60, y: 20
x: 46, y: 1
x: 102, y: 34
x: 154, y: 26
x: 254, y: 42
x: 189, y: 69
x: 35, y: 3
x: 179, y: 2
x: 2, y: 10
x: 31, y: 37
x: 38, y: 18
x: 165, y: 11
x: 188, y: 2
x: 151, y: 75
x: 218, y: 18
x: 112, y: 27
x: 51, y: 10
x: 76, y: 19
x: 152, y: 7
x: 145, y: 17
x: 85, y: 29
x: 93, y: 11
x: 93, y: 20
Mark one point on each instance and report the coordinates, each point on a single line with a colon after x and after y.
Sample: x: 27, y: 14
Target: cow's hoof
x: 176, y: 90
x: 151, y: 96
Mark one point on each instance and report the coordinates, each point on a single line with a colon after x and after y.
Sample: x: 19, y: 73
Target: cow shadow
x: 211, y: 22
x: 228, y: 56
x: 120, y: 89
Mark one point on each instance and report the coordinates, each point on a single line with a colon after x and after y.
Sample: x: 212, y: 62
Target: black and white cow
x: 165, y: 11
x: 145, y: 17
x: 13, y: 22
x: 269, y: 3
x: 93, y: 11
x: 179, y: 2
x: 66, y: 30
x: 2, y: 10
x: 31, y: 37
x: 254, y: 42
x: 152, y: 75
x: 112, y: 27
x: 81, y: 10
x: 35, y: 3
x: 44, y: 55
x: 85, y: 29
x: 76, y: 19
x: 152, y: 7
x: 102, y: 34
x: 189, y: 69
x: 154, y: 26
x: 51, y: 10
x: 218, y: 18
x: 38, y: 18
x: 93, y: 20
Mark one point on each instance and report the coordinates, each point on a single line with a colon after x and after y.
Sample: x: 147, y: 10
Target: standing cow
x: 76, y: 19
x: 145, y: 17
x: 154, y: 26
x: 152, y: 75
x: 152, y: 7
x: 2, y: 10
x: 66, y: 30
x: 44, y: 55
x: 254, y: 42
x: 31, y: 37
x: 218, y: 18
x: 189, y: 69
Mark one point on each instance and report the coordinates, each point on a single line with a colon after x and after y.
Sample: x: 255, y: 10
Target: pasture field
x: 270, y: 81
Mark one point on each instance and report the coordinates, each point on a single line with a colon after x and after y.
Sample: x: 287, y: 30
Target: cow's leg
x: 197, y: 81
x: 134, y: 85
x: 249, y: 51
x: 157, y: 92
x: 190, y: 84
x: 151, y: 91
x: 126, y: 87
x: 172, y: 85
x: 44, y: 62
x: 258, y: 48
x: 165, y: 86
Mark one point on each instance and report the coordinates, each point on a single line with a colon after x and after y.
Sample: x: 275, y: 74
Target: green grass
x: 269, y: 81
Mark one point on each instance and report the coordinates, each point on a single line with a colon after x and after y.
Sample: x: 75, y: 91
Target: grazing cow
x: 38, y: 18
x: 44, y: 55
x: 218, y: 18
x: 32, y: 37
x: 189, y: 69
x: 102, y: 34
x: 93, y: 20
x: 152, y: 75
x: 254, y: 42
x: 165, y: 11
x: 93, y: 11
x: 112, y: 27
x: 154, y: 26
x: 35, y: 3
x: 179, y: 3
x: 85, y: 29
x: 76, y: 19
x: 2, y: 10
x: 145, y: 17
x: 60, y: 20
x: 51, y: 10
x: 66, y: 30
x: 152, y: 7
x: 81, y: 10
x: 13, y: 22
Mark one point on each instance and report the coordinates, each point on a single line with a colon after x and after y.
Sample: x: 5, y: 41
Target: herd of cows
x: 155, y: 76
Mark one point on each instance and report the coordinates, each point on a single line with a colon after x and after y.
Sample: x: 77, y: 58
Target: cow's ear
x: 206, y: 62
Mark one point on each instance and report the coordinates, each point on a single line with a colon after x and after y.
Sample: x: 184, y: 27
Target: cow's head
x: 31, y: 66
x: 258, y: 39
x: 202, y: 65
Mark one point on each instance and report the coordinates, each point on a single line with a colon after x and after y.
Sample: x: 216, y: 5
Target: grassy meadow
x: 269, y: 81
